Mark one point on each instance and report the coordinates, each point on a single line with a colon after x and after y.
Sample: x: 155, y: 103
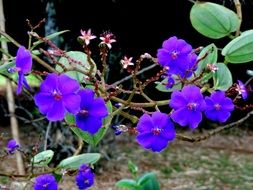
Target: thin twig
x: 239, y: 14
x: 47, y: 134
x: 213, y: 132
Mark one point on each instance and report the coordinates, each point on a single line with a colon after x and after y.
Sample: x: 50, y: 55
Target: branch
x: 239, y: 14
x: 214, y: 132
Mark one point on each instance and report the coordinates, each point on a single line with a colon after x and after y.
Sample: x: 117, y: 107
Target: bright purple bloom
x: 188, y: 105
x: 45, y: 182
x: 23, y: 66
x: 241, y: 88
x: 58, y: 95
x: 85, y: 177
x: 12, y: 146
x: 155, y: 132
x: 170, y: 82
x: 218, y: 106
x: 92, y: 112
x: 178, y: 56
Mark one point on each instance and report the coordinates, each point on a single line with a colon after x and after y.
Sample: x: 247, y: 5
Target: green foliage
x: 74, y: 162
x: 208, y: 55
x: 146, y: 181
x: 43, y: 158
x: 162, y: 85
x: 213, y: 20
x: 222, y: 77
x: 81, y: 63
x: 87, y: 137
x: 240, y: 49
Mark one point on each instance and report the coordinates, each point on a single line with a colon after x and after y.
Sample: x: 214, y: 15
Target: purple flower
x: 23, y: 66
x: 155, y: 132
x: 92, y: 111
x: 177, y: 55
x: 58, y: 95
x: 187, y: 106
x: 170, y: 82
x: 218, y: 106
x: 241, y: 88
x: 85, y: 177
x: 45, y: 182
x: 12, y: 146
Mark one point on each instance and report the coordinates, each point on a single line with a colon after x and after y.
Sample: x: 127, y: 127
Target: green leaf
x: 87, y: 137
x: 213, y: 20
x: 4, y: 39
x: 75, y: 162
x: 222, y: 77
x: 4, y: 68
x: 127, y: 183
x: 149, y: 181
x: 43, y: 158
x: 83, y: 65
x: 210, y: 55
x: 33, y: 80
x: 57, y: 176
x: 132, y: 168
x: 162, y: 85
x: 240, y: 49
x: 49, y: 37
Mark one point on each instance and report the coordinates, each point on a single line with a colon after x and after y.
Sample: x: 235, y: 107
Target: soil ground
x: 223, y: 162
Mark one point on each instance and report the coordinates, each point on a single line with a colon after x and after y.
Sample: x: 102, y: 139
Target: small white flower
x: 126, y: 62
x: 87, y: 36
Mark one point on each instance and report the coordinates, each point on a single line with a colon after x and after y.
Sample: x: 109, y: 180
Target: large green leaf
x: 87, y: 137
x: 213, y: 20
x: 148, y: 181
x: 161, y: 86
x: 127, y: 183
x: 240, y: 49
x: 75, y: 162
x: 81, y: 63
x: 209, y: 55
x: 222, y: 77
x: 43, y: 158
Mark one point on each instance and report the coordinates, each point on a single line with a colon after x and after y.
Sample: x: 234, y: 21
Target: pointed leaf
x: 127, y: 183
x: 222, y: 77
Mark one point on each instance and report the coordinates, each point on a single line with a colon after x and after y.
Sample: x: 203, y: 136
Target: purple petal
x: 228, y: 105
x: 159, y: 144
x: 218, y: 96
x: 169, y: 131
x: 72, y: 103
x: 24, y: 60
x: 180, y: 116
x: 160, y: 119
x: 44, y: 101
x: 145, y: 139
x: 98, y: 108
x: 186, y: 49
x: 170, y: 43
x: 177, y: 100
x: 212, y: 115
x: 164, y: 57
x: 57, y: 112
x: 223, y: 116
x: 50, y: 83
x: 87, y: 98
x: 26, y: 84
x: 145, y: 124
x: 21, y: 77
x: 194, y: 119
x: 67, y: 85
x: 192, y: 93
x: 89, y: 123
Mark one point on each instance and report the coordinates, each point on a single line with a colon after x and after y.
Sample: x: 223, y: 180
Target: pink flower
x: 126, y: 62
x: 107, y: 39
x: 87, y: 36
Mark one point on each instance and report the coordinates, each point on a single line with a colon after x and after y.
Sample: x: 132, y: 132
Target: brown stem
x: 239, y: 14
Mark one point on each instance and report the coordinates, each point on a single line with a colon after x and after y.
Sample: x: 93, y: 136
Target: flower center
x: 86, y: 181
x: 57, y: 95
x: 156, y: 131
x: 45, y: 185
x: 217, y: 107
x: 83, y: 112
x: 174, y: 54
x: 192, y: 106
